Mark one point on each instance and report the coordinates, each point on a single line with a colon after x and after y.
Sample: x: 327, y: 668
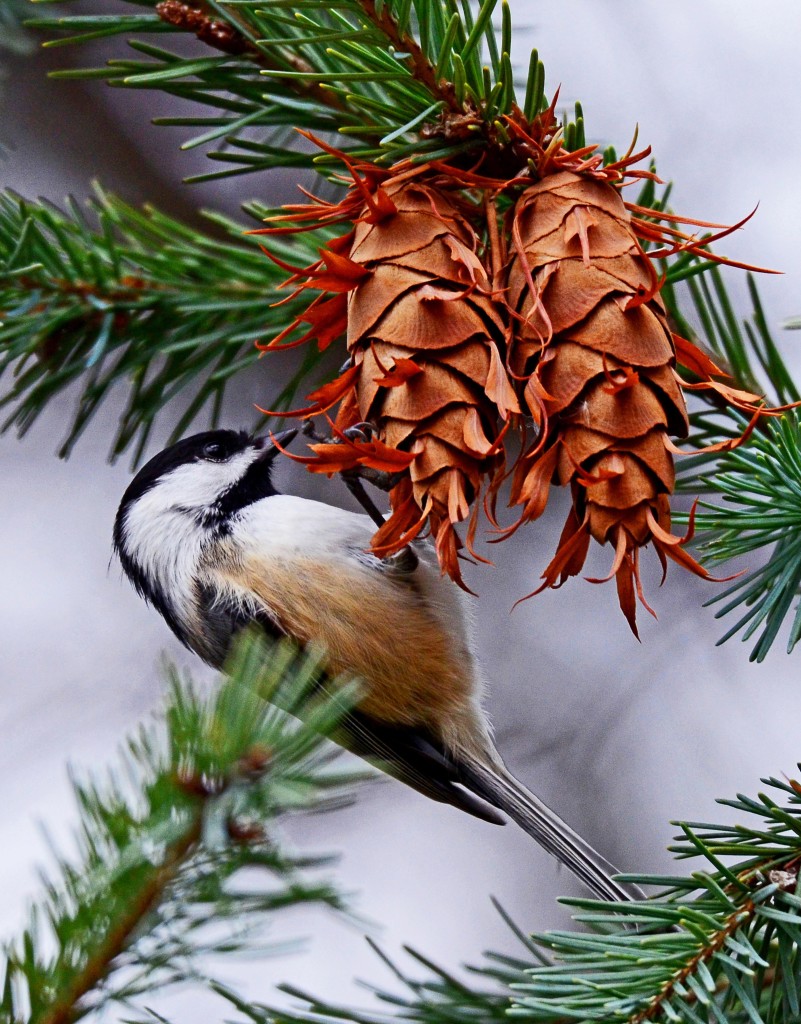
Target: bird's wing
x: 413, y: 757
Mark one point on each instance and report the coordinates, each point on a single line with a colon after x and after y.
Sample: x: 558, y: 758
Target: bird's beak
x: 273, y: 443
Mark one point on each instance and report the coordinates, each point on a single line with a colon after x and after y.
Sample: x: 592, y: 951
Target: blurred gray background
x: 620, y: 737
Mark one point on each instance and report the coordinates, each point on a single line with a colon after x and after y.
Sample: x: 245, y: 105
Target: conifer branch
x: 158, y: 862
x: 749, y: 496
x: 139, y: 298
x: 391, y: 74
x: 225, y: 36
x: 404, y: 42
x: 720, y: 945
x: 757, y: 509
x: 118, y: 938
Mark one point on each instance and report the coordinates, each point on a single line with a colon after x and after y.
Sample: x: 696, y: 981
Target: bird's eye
x: 214, y: 451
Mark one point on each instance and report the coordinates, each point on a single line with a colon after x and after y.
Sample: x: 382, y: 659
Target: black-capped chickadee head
x: 208, y: 477
x: 180, y: 502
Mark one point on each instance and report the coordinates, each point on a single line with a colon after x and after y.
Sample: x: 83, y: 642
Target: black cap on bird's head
x: 243, y: 460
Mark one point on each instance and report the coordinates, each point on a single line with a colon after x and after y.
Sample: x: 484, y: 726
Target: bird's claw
x: 309, y: 430
x: 405, y: 561
x: 363, y: 432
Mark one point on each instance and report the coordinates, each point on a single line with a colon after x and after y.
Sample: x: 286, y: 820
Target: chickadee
x: 204, y: 536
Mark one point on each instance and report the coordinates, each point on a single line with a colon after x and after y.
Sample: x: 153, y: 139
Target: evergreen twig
x: 64, y: 1009
x: 402, y: 77
x: 142, y: 299
x: 758, y: 485
x: 760, y: 488
x: 721, y: 945
x: 156, y: 878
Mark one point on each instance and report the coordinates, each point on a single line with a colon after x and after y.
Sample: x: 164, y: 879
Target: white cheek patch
x: 163, y: 532
x: 166, y: 545
x: 198, y: 485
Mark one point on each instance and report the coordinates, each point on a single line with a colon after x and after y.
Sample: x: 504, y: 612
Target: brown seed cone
x: 426, y: 335
x: 431, y: 357
x: 595, y: 358
x: 427, y: 343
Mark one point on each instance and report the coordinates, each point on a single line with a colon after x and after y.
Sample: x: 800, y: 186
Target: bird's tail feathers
x: 500, y: 788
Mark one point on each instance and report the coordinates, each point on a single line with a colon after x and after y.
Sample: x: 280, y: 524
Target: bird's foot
x: 405, y: 560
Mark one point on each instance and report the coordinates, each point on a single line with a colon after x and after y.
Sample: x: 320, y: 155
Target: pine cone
x: 594, y: 348
x: 430, y: 354
x: 426, y: 334
x: 427, y: 341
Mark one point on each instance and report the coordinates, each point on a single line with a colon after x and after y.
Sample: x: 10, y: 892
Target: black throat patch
x: 253, y: 486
